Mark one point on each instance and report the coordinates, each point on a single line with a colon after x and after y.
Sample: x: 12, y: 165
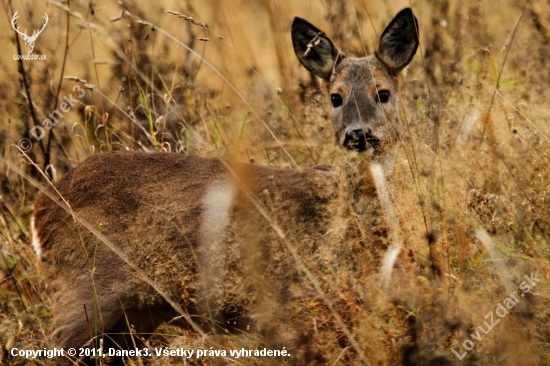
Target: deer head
x: 29, y: 40
x: 363, y: 91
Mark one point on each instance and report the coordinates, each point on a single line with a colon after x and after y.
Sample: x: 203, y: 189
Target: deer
x: 211, y: 236
x: 29, y: 40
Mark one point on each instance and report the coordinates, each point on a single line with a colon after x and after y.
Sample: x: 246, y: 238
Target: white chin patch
x: 35, y: 240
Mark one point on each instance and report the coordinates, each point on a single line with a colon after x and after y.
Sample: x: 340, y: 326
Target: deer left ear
x: 399, y: 42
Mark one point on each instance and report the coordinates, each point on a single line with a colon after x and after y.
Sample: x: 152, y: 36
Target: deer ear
x: 399, y: 42
x: 314, y: 49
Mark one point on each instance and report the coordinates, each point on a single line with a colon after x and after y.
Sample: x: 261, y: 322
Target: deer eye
x: 336, y: 100
x: 383, y: 96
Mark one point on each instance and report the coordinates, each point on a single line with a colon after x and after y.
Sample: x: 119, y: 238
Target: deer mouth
x: 361, y: 140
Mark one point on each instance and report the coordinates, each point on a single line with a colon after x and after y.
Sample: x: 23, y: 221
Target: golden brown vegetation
x: 470, y: 188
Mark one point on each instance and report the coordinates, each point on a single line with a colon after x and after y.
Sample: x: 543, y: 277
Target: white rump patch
x: 387, y: 266
x: 471, y: 118
x: 215, y: 218
x: 393, y: 251
x: 216, y: 206
x: 377, y: 172
x: 35, y: 240
x: 498, y: 261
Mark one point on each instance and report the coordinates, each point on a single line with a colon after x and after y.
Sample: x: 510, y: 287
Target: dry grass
x: 471, y: 185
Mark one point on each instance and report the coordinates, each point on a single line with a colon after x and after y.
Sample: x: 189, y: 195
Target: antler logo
x: 29, y: 41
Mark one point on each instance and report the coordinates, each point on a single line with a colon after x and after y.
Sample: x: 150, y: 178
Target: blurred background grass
x: 475, y: 150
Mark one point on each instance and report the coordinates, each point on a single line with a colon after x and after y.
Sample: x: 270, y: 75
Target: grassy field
x: 470, y: 188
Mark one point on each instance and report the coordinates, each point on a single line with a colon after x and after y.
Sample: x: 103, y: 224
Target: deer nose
x: 360, y: 139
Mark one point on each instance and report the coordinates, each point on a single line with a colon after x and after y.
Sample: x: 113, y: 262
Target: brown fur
x: 158, y: 210
x: 151, y: 207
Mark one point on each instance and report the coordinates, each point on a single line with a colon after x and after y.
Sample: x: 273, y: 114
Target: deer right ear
x: 314, y: 49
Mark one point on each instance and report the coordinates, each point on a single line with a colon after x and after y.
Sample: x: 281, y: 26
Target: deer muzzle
x: 361, y: 139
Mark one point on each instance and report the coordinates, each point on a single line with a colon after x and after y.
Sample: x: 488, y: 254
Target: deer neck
x: 357, y: 185
x: 358, y: 192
